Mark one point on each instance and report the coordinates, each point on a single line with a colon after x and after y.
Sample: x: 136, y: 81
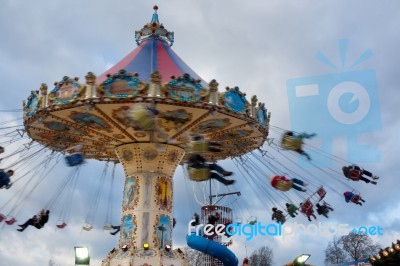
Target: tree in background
x: 261, y: 257
x: 334, y: 253
x: 193, y: 256
x: 359, y: 246
x: 353, y: 246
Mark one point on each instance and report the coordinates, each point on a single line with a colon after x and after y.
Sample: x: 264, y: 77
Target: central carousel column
x: 147, y: 206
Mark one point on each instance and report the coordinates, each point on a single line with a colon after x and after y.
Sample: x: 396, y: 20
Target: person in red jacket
x: 307, y: 209
x: 352, y: 197
x: 284, y: 184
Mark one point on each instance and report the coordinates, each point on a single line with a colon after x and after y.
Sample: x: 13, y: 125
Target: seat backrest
x: 199, y: 174
x: 11, y: 221
x: 306, y: 206
x: 74, y: 159
x: 61, y: 226
x: 355, y: 174
x: 198, y: 146
x: 321, y: 192
x: 87, y: 227
x: 355, y: 198
x: 291, y: 143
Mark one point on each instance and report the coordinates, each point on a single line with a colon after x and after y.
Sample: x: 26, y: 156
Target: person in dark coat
x: 356, y: 173
x: 196, y: 218
x: 197, y: 161
x: 5, y: 181
x: 37, y: 221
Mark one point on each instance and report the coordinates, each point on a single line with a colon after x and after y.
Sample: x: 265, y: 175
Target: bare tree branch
x: 261, y: 257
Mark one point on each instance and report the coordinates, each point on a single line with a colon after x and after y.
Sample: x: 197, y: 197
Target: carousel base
x: 120, y: 257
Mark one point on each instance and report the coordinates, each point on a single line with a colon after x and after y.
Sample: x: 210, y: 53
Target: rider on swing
x: 323, y: 209
x: 352, y: 197
x: 294, y: 142
x: 278, y: 216
x: 37, y: 221
x: 197, y: 163
x: 356, y: 173
x: 5, y: 178
x: 75, y: 158
x: 284, y: 184
x: 199, y: 144
x: 291, y: 209
x: 307, y: 209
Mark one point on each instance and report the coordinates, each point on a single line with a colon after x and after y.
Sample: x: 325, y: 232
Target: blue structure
x: 213, y: 249
x: 74, y: 159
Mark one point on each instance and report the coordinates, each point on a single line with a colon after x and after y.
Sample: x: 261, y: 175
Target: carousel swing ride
x: 143, y: 113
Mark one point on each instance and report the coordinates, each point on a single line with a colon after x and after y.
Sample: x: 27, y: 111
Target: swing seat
x: 252, y: 220
x: 355, y: 198
x: 6, y: 186
x: 87, y: 227
x: 199, y: 174
x: 306, y: 206
x: 198, y: 146
x: 143, y: 118
x: 281, y: 219
x: 292, y: 143
x: 325, y: 211
x: 355, y: 174
x: 10, y: 220
x: 61, y: 224
x: 74, y: 159
x: 107, y: 227
x: 238, y: 221
x: 321, y: 192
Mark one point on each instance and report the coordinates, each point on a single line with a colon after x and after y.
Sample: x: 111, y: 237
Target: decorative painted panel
x: 131, y: 193
x: 122, y: 85
x: 164, y: 193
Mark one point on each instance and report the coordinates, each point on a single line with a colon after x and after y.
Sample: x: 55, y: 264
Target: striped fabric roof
x: 153, y: 54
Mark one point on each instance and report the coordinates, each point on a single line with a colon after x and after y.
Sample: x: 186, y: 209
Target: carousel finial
x: 154, y: 18
x: 154, y: 29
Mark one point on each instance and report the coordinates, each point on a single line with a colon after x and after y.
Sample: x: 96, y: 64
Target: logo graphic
x: 279, y: 230
x: 343, y: 104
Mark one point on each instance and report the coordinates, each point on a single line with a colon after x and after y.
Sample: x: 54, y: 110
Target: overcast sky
x: 256, y: 45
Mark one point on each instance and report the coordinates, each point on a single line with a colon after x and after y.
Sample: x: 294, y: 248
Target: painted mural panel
x: 163, y: 231
x: 128, y: 227
x: 212, y: 125
x: 131, y: 193
x: 87, y: 119
x: 164, y: 194
x: 174, y: 119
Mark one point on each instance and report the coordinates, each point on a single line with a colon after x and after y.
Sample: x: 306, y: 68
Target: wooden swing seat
x: 199, y: 174
x: 355, y: 198
x: 355, y: 174
x: 74, y: 159
x: 61, y: 225
x: 143, y: 118
x: 107, y: 227
x: 87, y: 227
x: 10, y: 221
x: 198, y: 146
x: 306, y: 206
x: 292, y: 143
x: 321, y: 192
